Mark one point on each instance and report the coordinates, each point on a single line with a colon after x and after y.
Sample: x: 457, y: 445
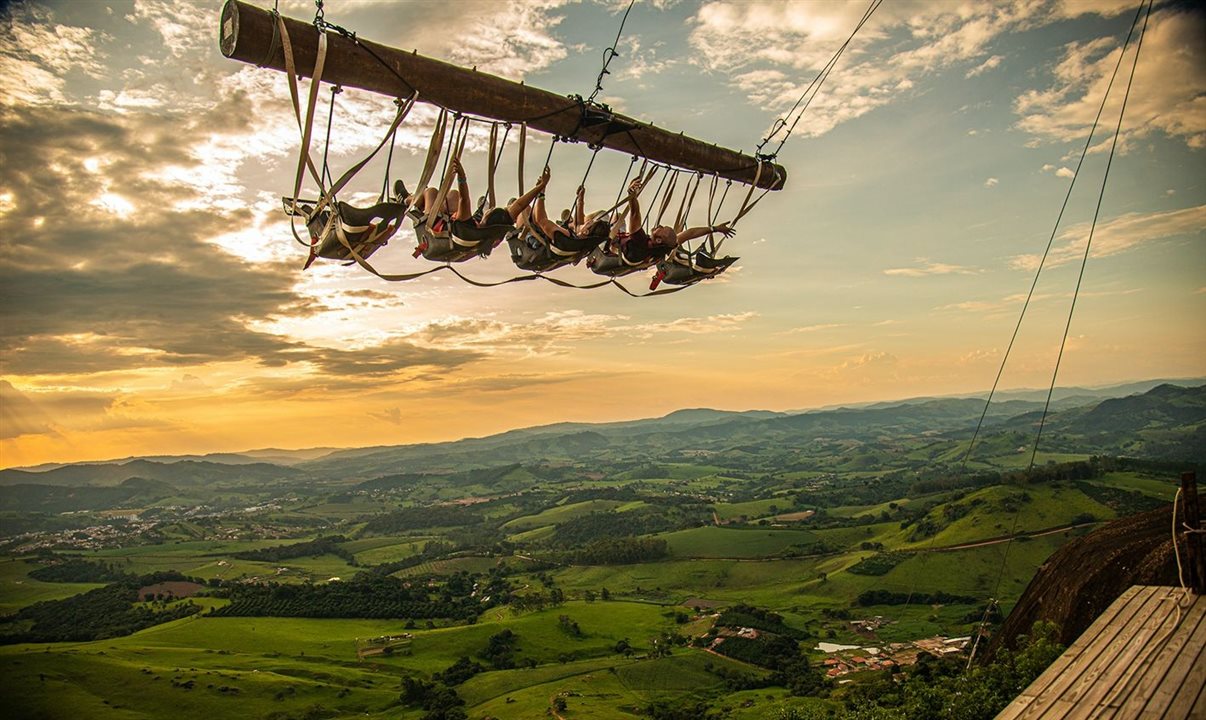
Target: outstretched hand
x: 458, y: 168
x: 544, y: 177
x: 634, y: 187
x: 725, y: 230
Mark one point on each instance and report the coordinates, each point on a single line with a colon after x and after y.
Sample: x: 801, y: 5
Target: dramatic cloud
x: 1168, y: 96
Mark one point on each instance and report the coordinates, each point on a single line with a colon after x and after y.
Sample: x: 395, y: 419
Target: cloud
x: 1168, y: 95
x: 991, y: 182
x: 1118, y: 235
x: 815, y: 328
x: 930, y: 268
x: 19, y: 415
x: 510, y: 39
x: 772, y: 51
x: 989, y: 64
x: 1065, y: 173
x: 392, y: 415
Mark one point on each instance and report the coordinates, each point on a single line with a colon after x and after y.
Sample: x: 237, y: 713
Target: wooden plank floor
x: 1143, y: 657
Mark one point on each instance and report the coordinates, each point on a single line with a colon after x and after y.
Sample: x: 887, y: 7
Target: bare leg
x: 520, y: 204
x: 451, y: 200
x: 427, y: 199
x: 463, y: 210
x: 541, y: 217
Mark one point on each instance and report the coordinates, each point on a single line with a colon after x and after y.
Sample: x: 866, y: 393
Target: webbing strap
x: 306, y: 126
x: 523, y: 144
x: 490, y: 165
x: 666, y: 198
x: 433, y: 155
x: 455, y: 146
x: 684, y: 207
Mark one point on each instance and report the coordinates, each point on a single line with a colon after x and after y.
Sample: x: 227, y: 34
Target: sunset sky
x: 152, y: 299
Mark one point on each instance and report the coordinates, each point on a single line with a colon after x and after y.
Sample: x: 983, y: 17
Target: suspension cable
x: 608, y: 55
x: 994, y: 600
x: 814, y: 88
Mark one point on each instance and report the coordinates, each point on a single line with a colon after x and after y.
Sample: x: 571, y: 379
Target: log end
x: 228, y: 28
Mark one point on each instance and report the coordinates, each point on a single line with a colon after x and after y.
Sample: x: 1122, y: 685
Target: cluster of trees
x: 75, y: 570
x: 617, y: 551
x: 500, y: 650
x: 887, y: 597
x: 1124, y: 502
x: 666, y: 515
x: 440, y: 701
x: 880, y: 563
x: 782, y: 655
x: 365, y: 596
x: 110, y: 611
x: 325, y: 545
x: 458, y: 672
x: 740, y: 616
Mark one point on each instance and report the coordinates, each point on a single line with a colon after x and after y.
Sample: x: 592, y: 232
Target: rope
x: 666, y: 198
x: 609, y: 54
x: 389, y: 161
x: 326, y: 145
x: 589, y: 165
x: 814, y: 87
x: 1080, y: 276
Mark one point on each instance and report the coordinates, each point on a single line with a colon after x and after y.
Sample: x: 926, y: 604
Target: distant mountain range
x: 1165, y: 421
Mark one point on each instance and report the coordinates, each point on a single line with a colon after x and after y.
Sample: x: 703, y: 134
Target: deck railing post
x: 1195, y: 560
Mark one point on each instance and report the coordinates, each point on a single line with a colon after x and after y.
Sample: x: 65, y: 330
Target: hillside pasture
x: 723, y: 542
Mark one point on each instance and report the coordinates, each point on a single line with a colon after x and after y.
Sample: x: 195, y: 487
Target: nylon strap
x: 491, y: 165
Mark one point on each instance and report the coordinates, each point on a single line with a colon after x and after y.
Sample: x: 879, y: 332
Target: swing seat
x: 688, y: 270
x: 602, y: 262
x: 532, y: 251
x: 366, y: 230
x: 442, y: 246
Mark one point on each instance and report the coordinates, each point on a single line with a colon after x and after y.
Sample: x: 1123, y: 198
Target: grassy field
x: 722, y: 542
x: 560, y: 514
x: 1159, y: 488
x: 290, y: 665
x: 17, y: 589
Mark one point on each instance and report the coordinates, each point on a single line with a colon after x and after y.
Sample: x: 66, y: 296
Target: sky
x: 152, y: 298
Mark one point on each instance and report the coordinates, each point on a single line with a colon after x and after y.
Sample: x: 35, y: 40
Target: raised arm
x: 634, y: 206
x: 580, y: 209
x: 464, y: 209
x: 541, y: 216
x: 698, y: 232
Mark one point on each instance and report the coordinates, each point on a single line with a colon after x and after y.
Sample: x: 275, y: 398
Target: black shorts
x: 494, y: 226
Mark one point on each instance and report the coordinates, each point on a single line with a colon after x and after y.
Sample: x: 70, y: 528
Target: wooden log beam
x: 247, y: 33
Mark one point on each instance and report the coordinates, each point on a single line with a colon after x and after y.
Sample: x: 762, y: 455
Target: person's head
x: 664, y: 235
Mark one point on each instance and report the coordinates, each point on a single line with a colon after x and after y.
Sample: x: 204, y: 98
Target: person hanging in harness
x: 457, y: 233
x: 544, y: 245
x: 637, y: 249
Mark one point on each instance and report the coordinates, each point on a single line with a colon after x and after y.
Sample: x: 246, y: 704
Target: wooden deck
x: 1143, y: 658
